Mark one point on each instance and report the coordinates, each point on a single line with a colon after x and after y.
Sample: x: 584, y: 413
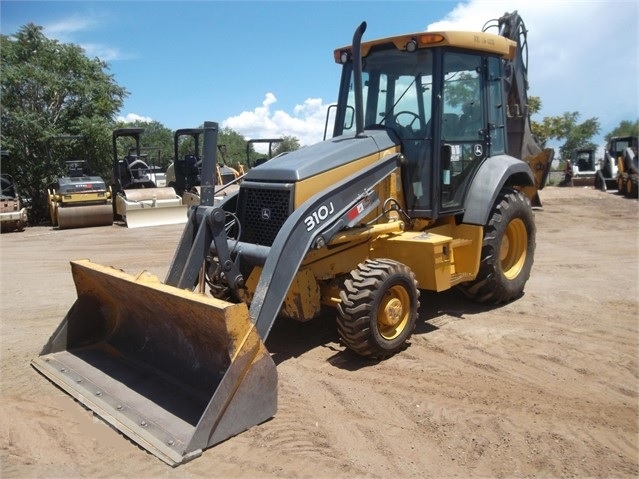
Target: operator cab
x: 443, y: 104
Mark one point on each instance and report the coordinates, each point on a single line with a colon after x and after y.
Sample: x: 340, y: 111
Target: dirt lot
x: 543, y: 387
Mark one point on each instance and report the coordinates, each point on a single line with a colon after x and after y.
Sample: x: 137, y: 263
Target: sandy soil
x: 545, y: 386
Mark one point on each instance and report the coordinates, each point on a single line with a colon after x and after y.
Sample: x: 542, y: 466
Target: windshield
x: 397, y: 88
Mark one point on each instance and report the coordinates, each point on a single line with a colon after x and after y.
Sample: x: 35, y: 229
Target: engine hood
x: 81, y: 184
x: 321, y: 157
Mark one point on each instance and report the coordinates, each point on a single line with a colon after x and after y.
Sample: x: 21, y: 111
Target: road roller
x: 138, y: 201
x: 78, y: 199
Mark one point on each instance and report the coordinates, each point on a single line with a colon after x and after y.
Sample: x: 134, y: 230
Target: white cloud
x: 103, y: 52
x: 306, y: 123
x: 132, y: 117
x: 64, y: 29
x: 67, y: 30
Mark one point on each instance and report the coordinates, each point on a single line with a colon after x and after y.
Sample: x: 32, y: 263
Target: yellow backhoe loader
x: 138, y: 201
x: 78, y: 199
x: 426, y: 184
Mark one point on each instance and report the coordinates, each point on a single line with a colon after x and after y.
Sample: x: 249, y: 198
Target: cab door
x: 463, y: 126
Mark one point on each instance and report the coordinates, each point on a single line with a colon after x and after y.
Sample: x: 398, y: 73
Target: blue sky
x: 265, y: 68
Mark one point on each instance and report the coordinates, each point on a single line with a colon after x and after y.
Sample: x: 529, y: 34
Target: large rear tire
x: 378, y: 310
x: 508, y: 251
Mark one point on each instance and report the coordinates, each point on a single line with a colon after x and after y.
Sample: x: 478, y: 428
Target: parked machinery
x: 185, y: 171
x: 584, y: 166
x: 78, y: 199
x: 156, y: 172
x: 13, y: 213
x: 618, y: 169
x: 627, y: 168
x: 262, y: 159
x: 412, y: 192
x: 138, y: 201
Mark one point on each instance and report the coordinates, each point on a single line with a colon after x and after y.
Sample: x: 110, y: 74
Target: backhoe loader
x: 426, y: 184
x: 138, y: 201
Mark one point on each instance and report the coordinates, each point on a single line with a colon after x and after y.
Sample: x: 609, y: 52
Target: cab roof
x: 479, y: 41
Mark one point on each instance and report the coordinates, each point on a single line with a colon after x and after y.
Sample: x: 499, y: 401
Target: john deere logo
x: 266, y: 214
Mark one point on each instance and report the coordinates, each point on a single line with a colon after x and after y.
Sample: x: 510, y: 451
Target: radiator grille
x: 263, y: 212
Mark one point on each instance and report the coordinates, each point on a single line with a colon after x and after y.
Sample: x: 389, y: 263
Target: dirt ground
x: 546, y: 386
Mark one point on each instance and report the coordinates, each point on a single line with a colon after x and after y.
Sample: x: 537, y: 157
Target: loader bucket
x: 175, y: 371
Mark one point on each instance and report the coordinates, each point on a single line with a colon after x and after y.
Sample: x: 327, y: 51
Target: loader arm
x: 300, y: 233
x: 297, y: 236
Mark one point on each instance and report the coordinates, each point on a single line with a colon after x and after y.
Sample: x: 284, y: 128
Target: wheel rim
x: 393, y: 312
x: 512, y: 253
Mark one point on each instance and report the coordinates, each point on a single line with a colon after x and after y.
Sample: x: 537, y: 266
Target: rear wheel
x: 378, y: 309
x: 508, y: 251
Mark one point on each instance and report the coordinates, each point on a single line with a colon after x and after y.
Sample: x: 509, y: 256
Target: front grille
x: 263, y: 210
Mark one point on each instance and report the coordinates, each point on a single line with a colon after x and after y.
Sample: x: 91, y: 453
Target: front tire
x: 378, y: 309
x: 633, y: 187
x: 508, y: 251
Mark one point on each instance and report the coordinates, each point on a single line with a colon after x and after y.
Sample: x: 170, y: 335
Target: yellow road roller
x: 78, y: 199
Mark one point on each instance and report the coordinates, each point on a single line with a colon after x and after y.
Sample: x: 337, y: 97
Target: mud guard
x: 493, y: 174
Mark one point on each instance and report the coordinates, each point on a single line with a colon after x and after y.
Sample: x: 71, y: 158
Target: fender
x: 490, y: 178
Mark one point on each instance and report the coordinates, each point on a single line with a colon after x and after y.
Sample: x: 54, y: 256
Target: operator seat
x: 471, y: 121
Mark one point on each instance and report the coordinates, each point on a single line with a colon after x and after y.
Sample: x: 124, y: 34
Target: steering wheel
x: 138, y: 164
x: 407, y: 129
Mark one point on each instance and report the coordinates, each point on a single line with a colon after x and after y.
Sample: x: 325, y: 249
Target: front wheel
x: 378, y: 309
x: 633, y: 187
x: 508, y: 251
x: 600, y: 182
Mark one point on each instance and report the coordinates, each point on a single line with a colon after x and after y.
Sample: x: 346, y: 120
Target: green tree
x: 564, y: 127
x: 290, y: 143
x: 625, y: 128
x: 235, y: 148
x: 156, y: 136
x: 461, y: 90
x: 534, y: 104
x: 49, y: 89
